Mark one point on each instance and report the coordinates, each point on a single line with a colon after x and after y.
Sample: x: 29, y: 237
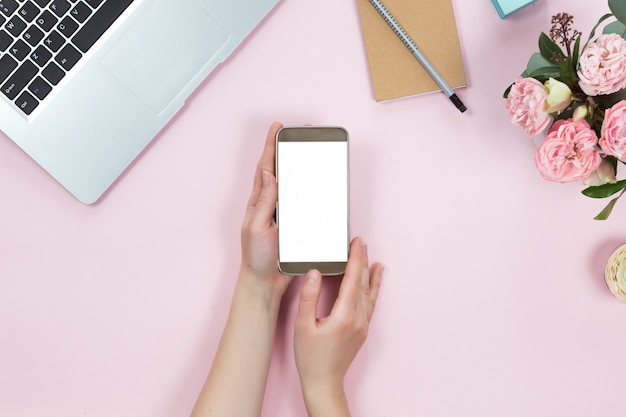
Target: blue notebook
x: 507, y: 7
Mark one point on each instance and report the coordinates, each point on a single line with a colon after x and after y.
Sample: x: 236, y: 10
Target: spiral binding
x: 391, y: 21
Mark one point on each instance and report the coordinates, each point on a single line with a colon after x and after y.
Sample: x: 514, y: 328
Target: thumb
x: 266, y: 203
x: 309, y: 297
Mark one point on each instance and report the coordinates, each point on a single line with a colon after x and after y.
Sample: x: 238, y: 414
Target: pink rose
x: 613, y: 133
x: 569, y: 152
x: 602, y: 66
x: 526, y: 104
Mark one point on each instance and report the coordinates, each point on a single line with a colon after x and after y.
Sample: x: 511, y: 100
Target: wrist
x: 257, y: 288
x: 326, y: 399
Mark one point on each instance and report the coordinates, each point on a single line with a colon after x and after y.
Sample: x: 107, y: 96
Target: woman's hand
x: 259, y: 235
x: 236, y: 383
x: 325, y: 348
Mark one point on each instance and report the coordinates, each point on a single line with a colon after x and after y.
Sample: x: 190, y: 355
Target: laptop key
x: 67, y: 26
x: 42, y: 3
x: 41, y: 56
x: 68, y: 57
x: 29, y: 11
x: 94, y: 3
x: 5, y: 40
x: 59, y: 7
x: 40, y: 88
x: 20, y: 78
x: 26, y: 102
x: 53, y: 73
x: 80, y: 12
x: 15, y: 26
x: 20, y: 50
x: 8, y: 7
x: 46, y: 21
x: 7, y: 65
x: 101, y: 20
x: 33, y: 35
x: 54, y: 41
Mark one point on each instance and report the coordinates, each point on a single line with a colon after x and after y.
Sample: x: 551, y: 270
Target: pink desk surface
x: 493, y: 304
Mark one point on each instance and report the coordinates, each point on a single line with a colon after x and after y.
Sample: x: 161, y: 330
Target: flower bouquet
x: 577, y: 93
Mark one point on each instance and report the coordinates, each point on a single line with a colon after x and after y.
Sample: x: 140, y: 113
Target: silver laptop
x: 87, y: 84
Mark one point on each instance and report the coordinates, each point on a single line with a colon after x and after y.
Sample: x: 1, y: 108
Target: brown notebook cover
x: 394, y: 70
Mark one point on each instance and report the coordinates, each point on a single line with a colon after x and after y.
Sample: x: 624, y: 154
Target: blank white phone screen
x: 313, y: 201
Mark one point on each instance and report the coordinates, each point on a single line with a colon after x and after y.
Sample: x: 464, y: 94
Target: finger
x: 263, y: 213
x: 309, y: 298
x: 376, y: 277
x: 266, y: 162
x: 364, y: 281
x: 365, y: 276
x: 351, y: 283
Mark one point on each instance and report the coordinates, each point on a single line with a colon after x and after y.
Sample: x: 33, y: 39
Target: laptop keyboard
x: 41, y: 40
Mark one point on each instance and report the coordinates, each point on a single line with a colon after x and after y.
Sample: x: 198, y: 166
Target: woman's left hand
x: 259, y: 234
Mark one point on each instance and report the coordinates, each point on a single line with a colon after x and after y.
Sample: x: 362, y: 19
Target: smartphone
x: 312, y: 211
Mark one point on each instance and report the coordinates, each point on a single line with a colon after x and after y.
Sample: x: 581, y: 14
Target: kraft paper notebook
x: 395, y: 73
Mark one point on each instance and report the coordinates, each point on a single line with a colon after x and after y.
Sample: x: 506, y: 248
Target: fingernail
x: 266, y: 178
x: 313, y: 276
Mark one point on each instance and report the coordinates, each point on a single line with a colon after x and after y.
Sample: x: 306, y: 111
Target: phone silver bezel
x: 313, y: 134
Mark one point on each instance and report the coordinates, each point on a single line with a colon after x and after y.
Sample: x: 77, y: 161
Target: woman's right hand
x: 325, y: 347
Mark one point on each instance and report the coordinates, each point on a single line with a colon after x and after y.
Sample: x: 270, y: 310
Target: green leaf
x: 613, y: 160
x: 551, y: 71
x: 593, y: 31
x: 507, y: 91
x: 576, y: 54
x: 542, y: 78
x: 537, y: 61
x: 609, y: 100
x: 539, y: 67
x: 606, y: 212
x: 615, y: 27
x: 550, y: 50
x: 618, y: 8
x: 568, y: 74
x: 605, y: 190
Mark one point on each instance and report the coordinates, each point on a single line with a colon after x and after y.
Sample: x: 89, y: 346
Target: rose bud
x: 559, y: 95
x: 580, y: 113
x: 603, y: 175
